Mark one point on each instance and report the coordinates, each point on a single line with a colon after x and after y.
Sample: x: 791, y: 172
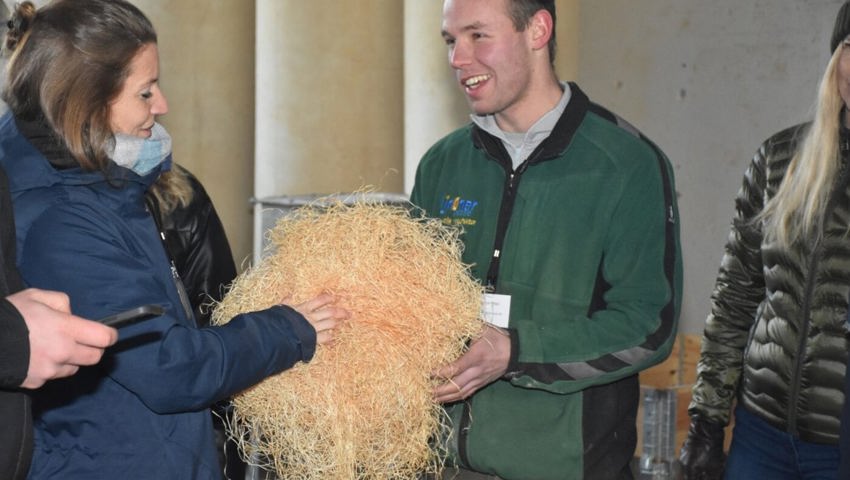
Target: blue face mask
x: 142, y: 155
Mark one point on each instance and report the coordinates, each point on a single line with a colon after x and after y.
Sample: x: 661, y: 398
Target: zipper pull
x: 181, y: 292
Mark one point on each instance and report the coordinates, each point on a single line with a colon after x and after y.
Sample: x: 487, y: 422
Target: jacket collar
x: 45, y: 140
x: 29, y: 167
x: 553, y: 146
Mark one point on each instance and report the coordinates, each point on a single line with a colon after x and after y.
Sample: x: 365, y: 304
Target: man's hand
x: 59, y: 342
x: 485, y: 361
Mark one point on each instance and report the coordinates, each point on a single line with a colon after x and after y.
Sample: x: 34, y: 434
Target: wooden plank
x: 680, y: 368
x: 666, y: 373
x: 690, y: 357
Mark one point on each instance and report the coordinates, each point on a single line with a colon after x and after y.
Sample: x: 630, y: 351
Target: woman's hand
x: 323, y: 315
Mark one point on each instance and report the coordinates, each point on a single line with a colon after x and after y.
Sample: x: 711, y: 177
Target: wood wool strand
x: 362, y: 407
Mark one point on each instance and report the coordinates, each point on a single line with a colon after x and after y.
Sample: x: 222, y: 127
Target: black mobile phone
x: 132, y: 316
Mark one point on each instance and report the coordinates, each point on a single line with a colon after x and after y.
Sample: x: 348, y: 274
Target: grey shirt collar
x: 520, y: 145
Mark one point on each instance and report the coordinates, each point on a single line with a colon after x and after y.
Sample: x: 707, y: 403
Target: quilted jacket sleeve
x: 738, y: 291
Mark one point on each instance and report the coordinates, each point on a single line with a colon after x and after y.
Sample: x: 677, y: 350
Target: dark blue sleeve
x: 168, y: 363
x: 188, y: 368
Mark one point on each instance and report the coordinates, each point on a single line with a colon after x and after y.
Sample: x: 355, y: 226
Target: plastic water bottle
x: 658, y: 460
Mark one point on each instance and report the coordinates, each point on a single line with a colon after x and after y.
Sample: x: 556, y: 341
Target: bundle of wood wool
x: 362, y: 407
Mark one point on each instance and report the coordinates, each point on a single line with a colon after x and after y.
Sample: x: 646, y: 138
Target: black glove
x: 702, y: 454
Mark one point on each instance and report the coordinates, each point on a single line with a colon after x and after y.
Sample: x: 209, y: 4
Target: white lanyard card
x: 496, y: 309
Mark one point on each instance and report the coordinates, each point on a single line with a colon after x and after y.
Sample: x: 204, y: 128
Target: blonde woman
x: 774, y: 342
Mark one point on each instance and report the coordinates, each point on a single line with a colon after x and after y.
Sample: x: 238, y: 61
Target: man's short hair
x: 521, y: 12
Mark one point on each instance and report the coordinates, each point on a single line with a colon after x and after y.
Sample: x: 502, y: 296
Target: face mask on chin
x: 141, y: 155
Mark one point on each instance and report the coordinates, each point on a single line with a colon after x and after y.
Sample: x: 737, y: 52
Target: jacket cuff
x: 513, y: 364
x: 14, y: 346
x: 302, y: 329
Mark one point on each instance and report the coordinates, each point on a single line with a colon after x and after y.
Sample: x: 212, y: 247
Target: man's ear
x: 540, y: 27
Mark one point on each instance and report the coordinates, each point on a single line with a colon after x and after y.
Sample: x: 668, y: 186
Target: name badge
x: 496, y: 309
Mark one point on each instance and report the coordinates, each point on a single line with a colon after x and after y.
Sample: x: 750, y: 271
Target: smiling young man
x: 569, y: 218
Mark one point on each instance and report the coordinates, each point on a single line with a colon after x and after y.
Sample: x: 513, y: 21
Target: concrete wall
x: 329, y: 96
x: 708, y: 81
x: 207, y: 73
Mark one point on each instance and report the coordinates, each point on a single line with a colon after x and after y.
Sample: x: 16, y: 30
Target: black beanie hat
x: 842, y: 26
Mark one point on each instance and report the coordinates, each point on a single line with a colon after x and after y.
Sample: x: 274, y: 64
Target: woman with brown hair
x: 81, y: 146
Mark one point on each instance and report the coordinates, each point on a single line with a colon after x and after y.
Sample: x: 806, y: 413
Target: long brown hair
x: 68, y: 61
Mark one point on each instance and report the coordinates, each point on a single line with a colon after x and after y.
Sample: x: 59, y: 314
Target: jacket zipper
x: 178, y: 283
x: 511, y: 186
x: 153, y: 209
x: 801, y: 345
x: 840, y: 187
x: 505, y: 213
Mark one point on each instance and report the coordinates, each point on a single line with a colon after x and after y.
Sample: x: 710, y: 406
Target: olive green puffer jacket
x: 775, y: 338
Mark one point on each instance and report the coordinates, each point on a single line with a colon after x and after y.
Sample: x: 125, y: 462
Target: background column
x: 329, y: 97
x: 207, y: 73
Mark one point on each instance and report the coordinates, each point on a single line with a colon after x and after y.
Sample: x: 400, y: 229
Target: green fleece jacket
x: 584, y: 238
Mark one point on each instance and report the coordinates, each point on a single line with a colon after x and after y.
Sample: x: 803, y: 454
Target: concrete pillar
x: 207, y: 73
x: 434, y: 105
x: 567, y: 36
x: 329, y: 96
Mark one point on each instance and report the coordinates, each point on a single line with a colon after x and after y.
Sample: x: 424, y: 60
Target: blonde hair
x: 172, y: 189
x: 798, y: 208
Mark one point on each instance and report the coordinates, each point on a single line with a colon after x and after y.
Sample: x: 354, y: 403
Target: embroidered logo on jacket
x: 457, y: 211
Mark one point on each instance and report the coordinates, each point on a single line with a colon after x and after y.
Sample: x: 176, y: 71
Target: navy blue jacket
x: 142, y: 412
